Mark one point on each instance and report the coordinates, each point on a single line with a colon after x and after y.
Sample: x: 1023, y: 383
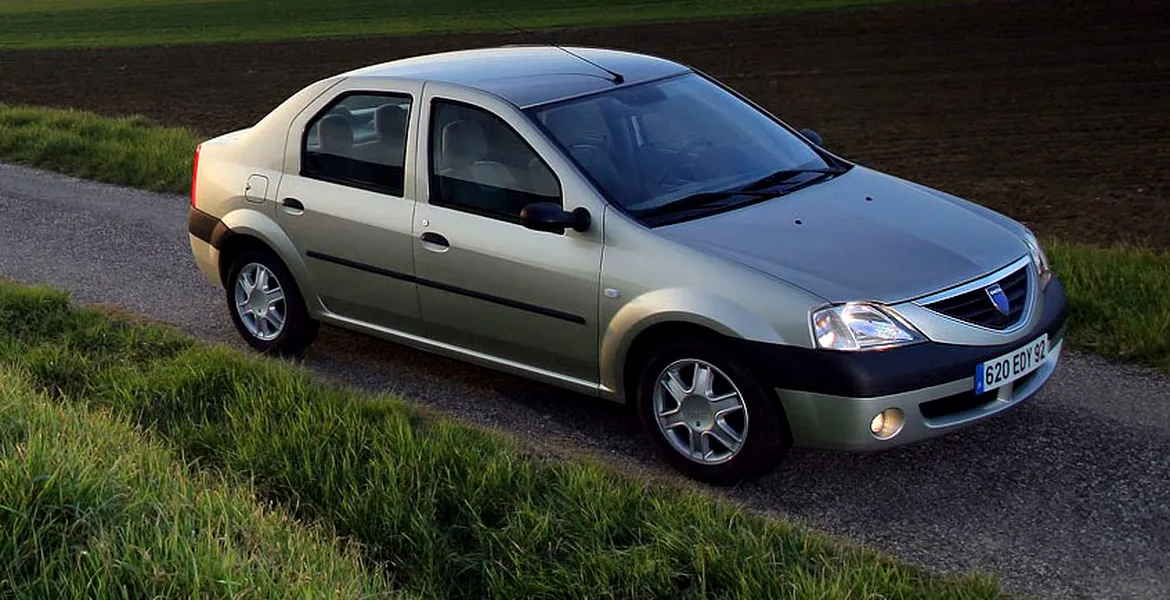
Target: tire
x: 297, y: 330
x: 763, y: 431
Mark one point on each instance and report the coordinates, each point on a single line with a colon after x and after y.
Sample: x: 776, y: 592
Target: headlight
x: 861, y: 326
x: 1039, y: 258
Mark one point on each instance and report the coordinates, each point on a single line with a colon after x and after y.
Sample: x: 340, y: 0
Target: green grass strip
x: 86, y: 23
x: 1120, y: 296
x: 90, y: 508
x: 448, y: 511
x: 128, y: 151
x: 1120, y: 300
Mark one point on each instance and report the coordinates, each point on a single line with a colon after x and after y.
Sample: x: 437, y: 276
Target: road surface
x: 1068, y: 496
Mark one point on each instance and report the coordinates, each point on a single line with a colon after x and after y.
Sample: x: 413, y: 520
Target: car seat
x: 390, y: 124
x: 463, y: 162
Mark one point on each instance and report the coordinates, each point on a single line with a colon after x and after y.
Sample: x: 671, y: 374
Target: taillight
x: 195, y: 173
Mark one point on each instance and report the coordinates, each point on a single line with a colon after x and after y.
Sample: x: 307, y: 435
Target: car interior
x: 481, y: 164
x: 366, y: 145
x: 625, y: 145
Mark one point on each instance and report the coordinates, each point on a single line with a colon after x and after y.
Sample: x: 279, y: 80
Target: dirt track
x: 1053, y: 112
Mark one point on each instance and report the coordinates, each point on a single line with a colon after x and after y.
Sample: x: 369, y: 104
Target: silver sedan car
x: 627, y: 227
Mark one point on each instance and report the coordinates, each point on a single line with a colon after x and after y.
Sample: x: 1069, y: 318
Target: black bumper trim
x: 207, y: 228
x: 880, y: 373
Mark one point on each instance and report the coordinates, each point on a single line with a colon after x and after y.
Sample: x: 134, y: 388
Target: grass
x: 88, y: 23
x: 1120, y: 300
x: 90, y: 507
x: 130, y: 150
x: 446, y: 511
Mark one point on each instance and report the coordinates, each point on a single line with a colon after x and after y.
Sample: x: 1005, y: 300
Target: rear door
x: 347, y: 203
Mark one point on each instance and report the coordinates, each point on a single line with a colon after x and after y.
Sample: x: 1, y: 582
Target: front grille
x: 976, y: 307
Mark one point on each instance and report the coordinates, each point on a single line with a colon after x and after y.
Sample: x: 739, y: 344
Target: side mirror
x: 547, y: 216
x: 812, y: 136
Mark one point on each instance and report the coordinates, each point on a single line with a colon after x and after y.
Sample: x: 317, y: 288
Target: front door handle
x: 293, y: 205
x: 434, y: 242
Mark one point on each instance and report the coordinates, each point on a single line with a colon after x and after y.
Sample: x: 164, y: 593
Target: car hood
x: 862, y: 235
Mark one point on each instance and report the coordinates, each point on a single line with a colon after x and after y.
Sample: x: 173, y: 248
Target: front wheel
x: 707, y: 415
x: 266, y: 305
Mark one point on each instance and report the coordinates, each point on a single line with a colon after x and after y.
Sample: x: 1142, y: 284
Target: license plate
x: 1005, y: 369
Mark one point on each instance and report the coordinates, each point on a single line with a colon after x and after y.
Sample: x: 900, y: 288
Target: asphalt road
x: 1066, y: 496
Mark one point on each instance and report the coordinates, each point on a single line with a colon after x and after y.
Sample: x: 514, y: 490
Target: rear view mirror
x: 550, y: 217
x: 812, y: 136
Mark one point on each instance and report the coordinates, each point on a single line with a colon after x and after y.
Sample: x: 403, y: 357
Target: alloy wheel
x: 700, y: 411
x: 260, y: 302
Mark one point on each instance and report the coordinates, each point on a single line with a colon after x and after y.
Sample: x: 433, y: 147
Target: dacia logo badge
x: 999, y: 299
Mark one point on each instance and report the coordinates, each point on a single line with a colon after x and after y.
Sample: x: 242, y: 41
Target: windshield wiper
x: 784, y: 175
x: 700, y: 200
x: 753, y: 189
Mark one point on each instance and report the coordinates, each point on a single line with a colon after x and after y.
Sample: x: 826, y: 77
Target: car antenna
x: 617, y: 77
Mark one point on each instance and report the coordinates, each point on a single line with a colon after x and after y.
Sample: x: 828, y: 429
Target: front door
x: 486, y: 282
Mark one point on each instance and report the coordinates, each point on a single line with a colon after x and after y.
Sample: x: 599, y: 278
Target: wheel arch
x: 643, y: 345
x: 232, y: 246
x: 250, y: 229
x: 760, y: 448
x: 647, y: 321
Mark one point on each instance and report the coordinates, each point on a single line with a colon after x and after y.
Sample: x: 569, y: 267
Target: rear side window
x: 481, y: 165
x: 359, y: 141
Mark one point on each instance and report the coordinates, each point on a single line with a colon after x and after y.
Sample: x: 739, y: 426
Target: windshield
x: 650, y: 145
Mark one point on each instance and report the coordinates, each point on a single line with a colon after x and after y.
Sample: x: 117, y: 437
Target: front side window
x: 686, y: 139
x: 481, y: 165
x: 359, y: 141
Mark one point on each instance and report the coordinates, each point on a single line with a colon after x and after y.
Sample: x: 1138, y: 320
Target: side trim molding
x: 532, y: 308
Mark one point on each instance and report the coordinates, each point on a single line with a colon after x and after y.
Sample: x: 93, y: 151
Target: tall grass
x: 447, y: 511
x: 1120, y: 300
x: 128, y: 150
x: 89, y: 508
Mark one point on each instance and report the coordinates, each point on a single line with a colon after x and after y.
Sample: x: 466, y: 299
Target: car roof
x: 528, y: 75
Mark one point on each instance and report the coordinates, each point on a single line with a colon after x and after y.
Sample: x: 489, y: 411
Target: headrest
x: 390, y: 121
x: 463, y: 142
x: 560, y: 125
x: 569, y: 129
x: 335, y: 134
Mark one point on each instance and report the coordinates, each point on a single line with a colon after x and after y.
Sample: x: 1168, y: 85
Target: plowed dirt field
x: 1057, y: 113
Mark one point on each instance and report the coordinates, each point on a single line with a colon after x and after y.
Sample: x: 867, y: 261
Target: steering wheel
x: 690, y: 155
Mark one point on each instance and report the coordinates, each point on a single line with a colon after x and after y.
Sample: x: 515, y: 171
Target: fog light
x: 887, y: 423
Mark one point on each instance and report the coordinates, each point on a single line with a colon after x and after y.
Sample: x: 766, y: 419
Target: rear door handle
x: 434, y: 242
x: 293, y: 205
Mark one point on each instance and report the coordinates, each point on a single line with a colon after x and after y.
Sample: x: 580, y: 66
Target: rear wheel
x: 708, y: 415
x: 266, y: 306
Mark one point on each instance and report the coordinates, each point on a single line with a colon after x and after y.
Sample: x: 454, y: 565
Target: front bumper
x: 830, y: 398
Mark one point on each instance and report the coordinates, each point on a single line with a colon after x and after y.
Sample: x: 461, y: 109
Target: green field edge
x: 442, y: 509
x: 129, y: 150
x: 1119, y: 296
x: 541, y: 25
